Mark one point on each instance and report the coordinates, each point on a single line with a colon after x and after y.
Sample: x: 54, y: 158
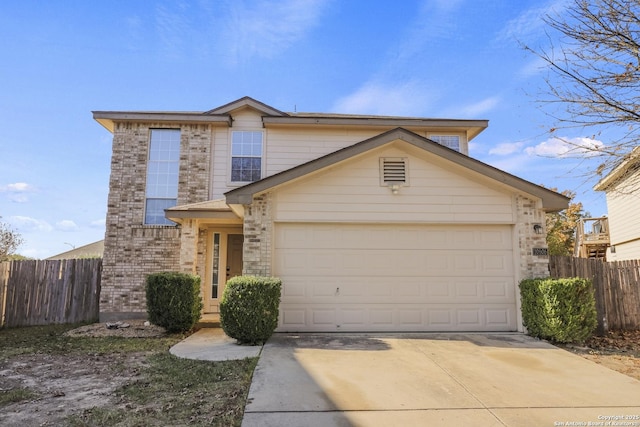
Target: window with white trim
x: 162, y: 175
x: 449, y: 141
x: 246, y: 156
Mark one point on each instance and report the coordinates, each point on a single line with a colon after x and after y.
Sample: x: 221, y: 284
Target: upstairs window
x: 246, y: 156
x: 449, y: 141
x: 162, y: 175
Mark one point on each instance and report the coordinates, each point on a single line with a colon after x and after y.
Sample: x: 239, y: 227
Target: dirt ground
x: 619, y: 351
x: 68, y: 384
x: 125, y: 329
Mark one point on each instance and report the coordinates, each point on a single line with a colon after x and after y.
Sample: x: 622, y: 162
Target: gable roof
x: 222, y: 116
x: 624, y: 170
x: 551, y: 201
x: 246, y: 101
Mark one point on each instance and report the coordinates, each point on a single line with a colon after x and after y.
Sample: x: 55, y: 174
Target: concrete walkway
x: 434, y: 380
x: 212, y: 344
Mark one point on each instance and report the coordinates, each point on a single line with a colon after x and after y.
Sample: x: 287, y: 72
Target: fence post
x: 5, y: 267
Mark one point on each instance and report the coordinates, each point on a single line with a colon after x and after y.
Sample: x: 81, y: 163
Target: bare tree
x: 10, y: 240
x: 594, y: 76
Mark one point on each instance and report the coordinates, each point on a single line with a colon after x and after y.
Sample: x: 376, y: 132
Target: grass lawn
x: 108, y: 381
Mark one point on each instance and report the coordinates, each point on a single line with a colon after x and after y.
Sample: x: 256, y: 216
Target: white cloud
x: 98, y: 223
x: 529, y: 24
x: 566, y: 147
x: 533, y: 67
x: 18, y: 191
x: 267, y: 28
x: 173, y: 29
x: 480, y: 108
x: 28, y: 224
x: 19, y: 186
x: 515, y: 164
x: 66, y: 225
x: 405, y: 99
x: 433, y: 23
x: 506, y: 148
x: 18, y: 198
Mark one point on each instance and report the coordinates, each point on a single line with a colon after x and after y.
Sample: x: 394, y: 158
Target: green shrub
x: 249, y: 308
x: 173, y: 300
x: 559, y: 310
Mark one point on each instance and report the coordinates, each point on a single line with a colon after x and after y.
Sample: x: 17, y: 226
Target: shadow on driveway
x: 346, y: 379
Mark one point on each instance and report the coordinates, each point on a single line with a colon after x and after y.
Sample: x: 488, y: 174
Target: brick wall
x: 258, y: 232
x: 133, y: 250
x: 528, y: 215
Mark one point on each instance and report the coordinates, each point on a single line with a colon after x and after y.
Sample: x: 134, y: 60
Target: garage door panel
x: 397, y: 263
x: 380, y: 290
x: 409, y: 237
x: 384, y: 317
x: 366, y: 277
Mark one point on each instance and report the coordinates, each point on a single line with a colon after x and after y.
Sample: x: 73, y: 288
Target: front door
x: 225, y: 262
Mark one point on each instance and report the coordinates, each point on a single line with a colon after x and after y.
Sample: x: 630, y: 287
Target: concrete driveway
x: 433, y: 380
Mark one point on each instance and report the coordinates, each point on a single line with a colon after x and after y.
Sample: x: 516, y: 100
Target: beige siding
x: 220, y: 163
x: 623, y: 223
x: 291, y: 147
x: 247, y: 119
x: 286, y: 147
x: 352, y: 192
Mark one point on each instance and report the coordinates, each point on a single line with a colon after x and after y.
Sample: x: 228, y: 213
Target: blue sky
x: 428, y: 58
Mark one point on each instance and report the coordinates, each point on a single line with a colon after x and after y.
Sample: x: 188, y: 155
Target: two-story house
x: 373, y: 223
x: 622, y: 188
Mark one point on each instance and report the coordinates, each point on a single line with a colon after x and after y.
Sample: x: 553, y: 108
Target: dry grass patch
x: 51, y: 378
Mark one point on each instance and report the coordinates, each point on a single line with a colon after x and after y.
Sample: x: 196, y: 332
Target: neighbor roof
x: 95, y: 249
x: 621, y: 172
x: 551, y: 200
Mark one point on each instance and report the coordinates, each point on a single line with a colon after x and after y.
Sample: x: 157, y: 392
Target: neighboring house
x: 373, y: 223
x: 622, y: 189
x: 92, y: 250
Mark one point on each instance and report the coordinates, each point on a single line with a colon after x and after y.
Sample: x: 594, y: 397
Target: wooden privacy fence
x: 617, y: 288
x: 44, y: 292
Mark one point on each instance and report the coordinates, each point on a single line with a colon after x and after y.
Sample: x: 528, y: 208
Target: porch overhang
x: 209, y: 212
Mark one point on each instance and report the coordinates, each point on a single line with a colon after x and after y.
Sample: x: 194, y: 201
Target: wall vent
x: 540, y: 252
x: 393, y: 171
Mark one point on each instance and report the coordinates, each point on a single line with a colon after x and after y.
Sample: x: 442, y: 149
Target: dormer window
x: 246, y: 156
x: 449, y: 141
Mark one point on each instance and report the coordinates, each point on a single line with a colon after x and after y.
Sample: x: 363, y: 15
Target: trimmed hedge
x: 559, y: 310
x: 173, y: 300
x: 249, y: 308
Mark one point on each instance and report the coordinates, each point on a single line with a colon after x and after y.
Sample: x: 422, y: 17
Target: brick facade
x: 258, y: 232
x: 530, y: 215
x: 132, y: 249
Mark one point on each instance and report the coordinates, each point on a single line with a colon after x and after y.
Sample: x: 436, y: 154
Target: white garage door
x: 361, y: 277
